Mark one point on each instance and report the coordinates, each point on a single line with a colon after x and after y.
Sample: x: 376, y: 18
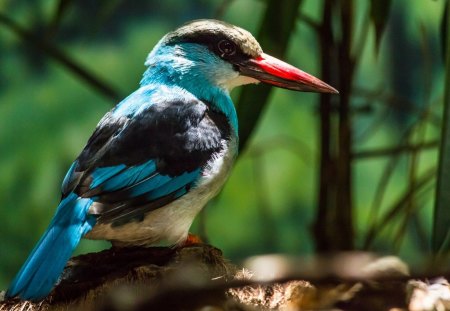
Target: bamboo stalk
x: 441, y: 223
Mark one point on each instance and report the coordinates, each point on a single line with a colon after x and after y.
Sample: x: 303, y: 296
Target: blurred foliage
x: 276, y: 27
x: 47, y: 113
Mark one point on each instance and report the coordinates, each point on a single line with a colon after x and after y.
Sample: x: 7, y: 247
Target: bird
x: 156, y: 159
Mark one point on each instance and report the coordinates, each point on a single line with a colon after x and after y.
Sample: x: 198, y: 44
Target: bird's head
x: 225, y: 56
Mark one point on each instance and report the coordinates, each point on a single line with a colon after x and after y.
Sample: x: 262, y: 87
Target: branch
x: 382, y: 152
x: 59, y: 56
x: 199, y: 278
x: 308, y: 20
x: 401, y: 103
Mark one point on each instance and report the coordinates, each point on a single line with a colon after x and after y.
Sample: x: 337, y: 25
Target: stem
x: 387, y: 152
x: 441, y: 224
x: 325, y: 175
x: 344, y: 215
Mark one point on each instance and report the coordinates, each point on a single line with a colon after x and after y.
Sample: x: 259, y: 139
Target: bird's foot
x: 191, y: 240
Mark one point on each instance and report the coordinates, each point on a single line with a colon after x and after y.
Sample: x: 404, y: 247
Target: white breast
x: 170, y: 224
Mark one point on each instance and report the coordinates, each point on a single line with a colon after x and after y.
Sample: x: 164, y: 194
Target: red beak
x: 273, y: 71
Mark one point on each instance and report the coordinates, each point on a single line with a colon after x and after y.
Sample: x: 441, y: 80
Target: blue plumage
x: 113, y: 178
x: 47, y: 260
x: 173, y: 185
x: 109, y: 174
x: 185, y: 71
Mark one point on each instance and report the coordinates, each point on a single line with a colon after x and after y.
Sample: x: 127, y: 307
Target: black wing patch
x: 177, y: 138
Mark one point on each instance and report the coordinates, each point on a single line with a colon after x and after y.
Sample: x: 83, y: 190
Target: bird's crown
x: 226, y: 40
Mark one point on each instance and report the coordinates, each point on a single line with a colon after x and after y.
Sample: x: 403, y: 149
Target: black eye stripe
x: 220, y: 45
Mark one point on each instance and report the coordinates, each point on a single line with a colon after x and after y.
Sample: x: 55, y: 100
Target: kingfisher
x: 156, y: 159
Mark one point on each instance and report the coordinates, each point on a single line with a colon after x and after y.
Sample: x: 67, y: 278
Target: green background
x: 268, y: 205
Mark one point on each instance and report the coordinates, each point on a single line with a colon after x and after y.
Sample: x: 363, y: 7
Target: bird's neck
x: 171, y: 67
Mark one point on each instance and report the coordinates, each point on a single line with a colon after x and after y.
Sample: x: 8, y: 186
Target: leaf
x: 277, y: 26
x: 379, y: 13
x: 400, y: 206
x: 441, y: 224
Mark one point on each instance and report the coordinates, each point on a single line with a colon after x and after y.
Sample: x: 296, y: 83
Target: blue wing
x: 136, y: 163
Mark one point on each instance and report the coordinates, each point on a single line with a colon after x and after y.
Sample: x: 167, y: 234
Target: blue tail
x: 46, y: 262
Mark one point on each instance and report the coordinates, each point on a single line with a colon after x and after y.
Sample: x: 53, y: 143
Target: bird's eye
x: 226, y: 48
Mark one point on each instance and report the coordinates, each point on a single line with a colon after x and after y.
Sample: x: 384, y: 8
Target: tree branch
x: 64, y: 59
